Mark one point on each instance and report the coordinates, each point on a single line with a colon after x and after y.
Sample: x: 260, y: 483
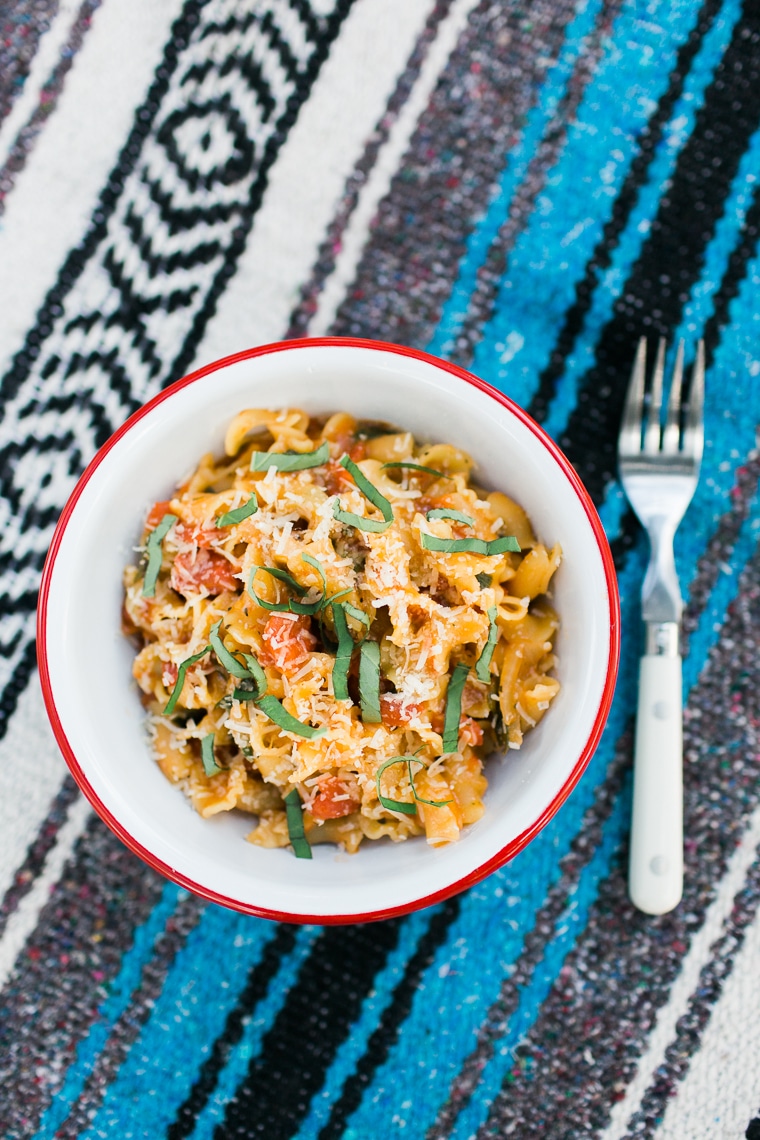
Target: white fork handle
x: 655, y: 872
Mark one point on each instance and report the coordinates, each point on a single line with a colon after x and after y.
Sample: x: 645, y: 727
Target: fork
x: 659, y: 469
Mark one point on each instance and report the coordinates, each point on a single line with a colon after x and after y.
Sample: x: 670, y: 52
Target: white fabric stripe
x: 47, y: 56
x: 49, y: 208
x: 305, y: 184
x: 379, y: 181
x: 352, y: 89
x: 721, y: 1091
x: 24, y: 919
x: 31, y: 773
x: 697, y: 957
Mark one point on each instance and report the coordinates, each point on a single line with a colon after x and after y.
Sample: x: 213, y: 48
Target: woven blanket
x: 524, y: 187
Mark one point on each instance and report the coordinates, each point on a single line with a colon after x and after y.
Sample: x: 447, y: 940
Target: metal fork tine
x: 653, y: 430
x: 630, y: 428
x: 694, y: 431
x: 671, y: 436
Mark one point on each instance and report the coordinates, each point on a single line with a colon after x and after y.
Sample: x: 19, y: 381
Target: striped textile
x: 525, y: 188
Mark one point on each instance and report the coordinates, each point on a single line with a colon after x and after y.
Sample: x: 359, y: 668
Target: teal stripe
x: 464, y: 980
x: 260, y: 1023
x: 552, y: 94
x: 613, y: 281
x: 120, y: 992
x: 568, y: 928
x: 498, y: 912
x: 573, y: 922
x: 200, y: 991
x: 348, y: 1055
x: 550, y: 256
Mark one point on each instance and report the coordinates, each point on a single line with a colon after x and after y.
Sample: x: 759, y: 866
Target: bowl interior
x: 89, y: 661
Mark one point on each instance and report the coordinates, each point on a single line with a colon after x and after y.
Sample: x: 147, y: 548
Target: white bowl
x: 85, y: 662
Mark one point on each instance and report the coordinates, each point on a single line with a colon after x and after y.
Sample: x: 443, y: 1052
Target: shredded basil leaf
x: 369, y: 681
x: 404, y: 805
x: 370, y: 493
x: 290, y: 460
x: 311, y: 607
x: 343, y: 654
x: 291, y: 606
x: 483, y: 665
x: 296, y: 834
x: 258, y: 674
x: 453, y: 711
x: 178, y: 684
x: 484, y: 580
x: 155, y: 554
x: 356, y: 614
x: 470, y: 545
x: 418, y: 467
x: 374, y: 526
x: 445, y: 513
x: 285, y: 720
x: 231, y: 518
x: 225, y: 658
x: 210, y: 766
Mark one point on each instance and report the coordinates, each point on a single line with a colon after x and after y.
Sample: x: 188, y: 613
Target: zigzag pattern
x: 166, y: 242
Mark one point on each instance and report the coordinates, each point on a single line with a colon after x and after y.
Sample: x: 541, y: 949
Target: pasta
x: 334, y: 627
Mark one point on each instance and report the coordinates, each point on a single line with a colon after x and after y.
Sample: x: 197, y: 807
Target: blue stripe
x: 249, y: 1047
x: 200, y: 991
x: 464, y: 980
x: 550, y: 256
x: 486, y: 231
x: 569, y: 926
x: 343, y: 1068
x: 120, y: 991
x: 613, y: 281
x: 574, y: 920
x: 498, y: 912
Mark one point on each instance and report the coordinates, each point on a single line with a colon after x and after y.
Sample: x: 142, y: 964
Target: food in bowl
x: 335, y: 629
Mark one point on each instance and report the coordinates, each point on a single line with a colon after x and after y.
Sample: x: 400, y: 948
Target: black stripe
x: 316, y: 1017
x: 671, y: 260
x: 621, y: 211
x: 323, y: 39
x: 753, y: 1129
x: 38, y: 850
x: 736, y: 271
x: 255, y: 989
x: 384, y: 1037
x: 76, y: 261
x: 326, y: 30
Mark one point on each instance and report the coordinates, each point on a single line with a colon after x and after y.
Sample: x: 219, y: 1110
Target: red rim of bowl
x: 505, y: 853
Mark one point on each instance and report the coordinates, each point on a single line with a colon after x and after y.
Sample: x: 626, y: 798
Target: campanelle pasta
x: 335, y: 627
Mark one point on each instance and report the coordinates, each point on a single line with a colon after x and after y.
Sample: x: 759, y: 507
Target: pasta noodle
x: 334, y: 610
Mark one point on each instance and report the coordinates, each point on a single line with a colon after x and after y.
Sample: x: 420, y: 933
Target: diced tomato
x: 156, y: 513
x: 395, y: 711
x: 202, y: 569
x: 328, y: 805
x: 288, y: 642
x: 198, y: 535
x: 356, y: 449
x: 470, y: 731
x: 337, y: 479
x: 169, y: 674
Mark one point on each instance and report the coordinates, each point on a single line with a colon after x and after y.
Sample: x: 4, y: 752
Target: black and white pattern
x: 131, y: 304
